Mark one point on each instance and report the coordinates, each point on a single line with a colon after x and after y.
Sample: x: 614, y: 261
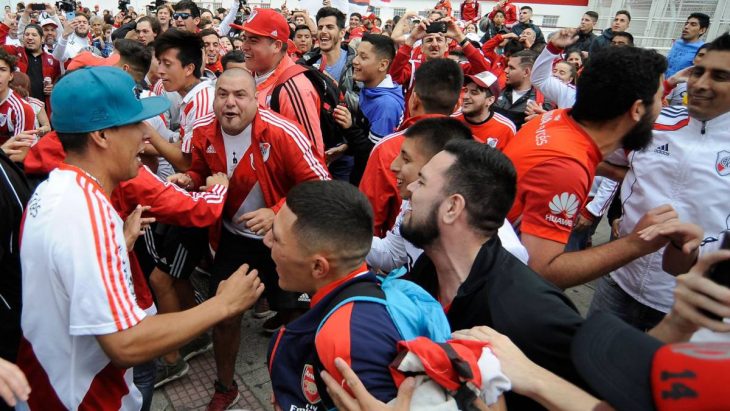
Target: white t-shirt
x: 516, y: 95
x: 235, y: 147
x: 77, y: 284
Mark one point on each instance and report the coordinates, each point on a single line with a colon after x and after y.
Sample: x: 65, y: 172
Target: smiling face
x: 212, y: 47
x: 261, y: 52
x: 476, y: 101
x: 563, y: 71
x: 125, y: 144
x: 6, y: 76
x: 32, y: 40
x: 407, y: 165
x: 82, y: 28
x: 708, y: 86
x: 367, y: 65
x: 235, y: 101
x: 329, y: 34
x: 575, y: 59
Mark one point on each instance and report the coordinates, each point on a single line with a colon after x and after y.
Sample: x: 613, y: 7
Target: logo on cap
x: 274, y: 33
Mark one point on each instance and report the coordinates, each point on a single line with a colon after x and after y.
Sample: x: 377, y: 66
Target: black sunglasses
x: 183, y: 16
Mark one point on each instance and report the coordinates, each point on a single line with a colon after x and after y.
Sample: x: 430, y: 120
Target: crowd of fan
x: 396, y: 199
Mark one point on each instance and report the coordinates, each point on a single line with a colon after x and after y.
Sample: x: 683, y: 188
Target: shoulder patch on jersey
x: 672, y: 118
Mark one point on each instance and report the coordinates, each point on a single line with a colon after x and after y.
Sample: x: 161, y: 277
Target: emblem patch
x: 309, y: 385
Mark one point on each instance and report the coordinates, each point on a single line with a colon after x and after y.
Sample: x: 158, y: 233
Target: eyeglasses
x: 183, y: 16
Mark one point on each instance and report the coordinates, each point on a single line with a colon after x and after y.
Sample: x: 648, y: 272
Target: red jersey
x: 555, y: 161
x: 378, y: 183
x: 497, y: 130
x: 445, y: 6
x: 16, y: 116
x: 279, y: 157
x: 470, y: 11
x: 510, y: 13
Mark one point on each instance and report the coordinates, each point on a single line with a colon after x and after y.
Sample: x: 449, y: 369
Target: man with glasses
x: 186, y: 16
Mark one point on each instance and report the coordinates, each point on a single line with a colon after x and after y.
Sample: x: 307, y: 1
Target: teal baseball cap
x: 97, y: 98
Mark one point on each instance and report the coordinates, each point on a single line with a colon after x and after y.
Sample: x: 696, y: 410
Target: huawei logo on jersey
x: 562, y: 209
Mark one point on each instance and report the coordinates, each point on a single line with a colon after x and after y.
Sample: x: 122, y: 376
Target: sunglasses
x: 183, y: 16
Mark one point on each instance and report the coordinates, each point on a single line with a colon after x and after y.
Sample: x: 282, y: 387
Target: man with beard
x: 74, y: 39
x: 618, y: 97
x: 686, y: 165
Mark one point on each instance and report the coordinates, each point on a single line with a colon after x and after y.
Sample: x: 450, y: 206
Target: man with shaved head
x: 262, y: 168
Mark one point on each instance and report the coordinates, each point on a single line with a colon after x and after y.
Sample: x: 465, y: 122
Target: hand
x: 48, y: 88
x: 510, y: 35
x: 182, y: 180
x: 135, y: 225
x: 13, y: 384
x: 685, y: 236
x: 10, y: 19
x: 69, y: 27
x: 615, y: 228
x: 418, y: 32
x: 582, y: 223
x: 527, y: 38
x: 240, y: 291
x: 17, y: 147
x: 522, y: 372
x: 564, y: 38
x: 695, y: 292
x: 343, y: 117
x: 215, y: 179
x: 51, y: 9
x: 453, y: 31
x: 680, y: 77
x: 662, y: 214
x: 334, y: 153
x: 362, y: 399
x: 259, y: 221
x: 533, y: 108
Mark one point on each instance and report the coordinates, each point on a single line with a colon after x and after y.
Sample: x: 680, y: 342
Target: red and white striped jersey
x: 77, y: 284
x: 16, y: 115
x: 196, y: 104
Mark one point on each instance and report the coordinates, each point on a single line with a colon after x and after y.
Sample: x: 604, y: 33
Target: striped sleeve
x: 22, y: 114
x: 102, y: 293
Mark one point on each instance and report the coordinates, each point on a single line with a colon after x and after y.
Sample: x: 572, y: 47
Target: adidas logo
x: 303, y: 298
x: 663, y: 149
x: 210, y: 150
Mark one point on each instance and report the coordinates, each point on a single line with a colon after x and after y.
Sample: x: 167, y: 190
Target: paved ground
x: 193, y: 392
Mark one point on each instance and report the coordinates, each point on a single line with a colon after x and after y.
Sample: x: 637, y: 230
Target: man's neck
x: 603, y: 135
x: 333, y: 56
x: 35, y: 53
x: 375, y: 82
x: 453, y: 257
x: 272, y: 67
x: 189, y: 86
x: 524, y: 86
x: 478, y: 117
x: 96, y: 171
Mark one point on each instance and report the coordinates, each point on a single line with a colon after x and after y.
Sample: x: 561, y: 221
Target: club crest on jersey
x: 309, y: 385
x: 722, y: 164
x: 3, y: 119
x: 265, y: 150
x: 492, y: 142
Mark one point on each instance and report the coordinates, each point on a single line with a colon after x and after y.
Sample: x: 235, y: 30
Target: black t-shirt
x: 35, y: 72
x: 503, y: 293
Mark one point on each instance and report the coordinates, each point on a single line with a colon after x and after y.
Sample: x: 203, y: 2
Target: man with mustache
x: 686, y: 165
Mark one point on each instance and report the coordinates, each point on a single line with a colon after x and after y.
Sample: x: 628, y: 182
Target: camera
x: 66, y: 6
x: 122, y: 5
x: 436, y: 27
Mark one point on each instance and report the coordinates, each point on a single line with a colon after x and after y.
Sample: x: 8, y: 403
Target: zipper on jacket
x: 702, y: 131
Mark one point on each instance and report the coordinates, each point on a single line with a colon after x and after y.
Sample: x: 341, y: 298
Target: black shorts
x: 178, y: 250
x: 236, y: 250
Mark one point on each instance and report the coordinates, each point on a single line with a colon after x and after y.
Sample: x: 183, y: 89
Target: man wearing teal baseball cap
x: 82, y: 326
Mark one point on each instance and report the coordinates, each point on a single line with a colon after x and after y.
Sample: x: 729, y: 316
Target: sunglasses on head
x: 183, y: 16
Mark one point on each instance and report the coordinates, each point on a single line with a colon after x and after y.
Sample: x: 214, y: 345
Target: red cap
x: 371, y: 17
x: 267, y: 23
x: 486, y: 80
x: 89, y: 59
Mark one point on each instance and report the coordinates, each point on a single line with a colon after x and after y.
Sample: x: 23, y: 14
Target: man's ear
x: 320, y: 267
x: 454, y: 206
x: 99, y: 139
x: 637, y: 110
x: 383, y: 65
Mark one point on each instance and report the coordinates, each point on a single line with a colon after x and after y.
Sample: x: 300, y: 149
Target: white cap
x: 48, y: 21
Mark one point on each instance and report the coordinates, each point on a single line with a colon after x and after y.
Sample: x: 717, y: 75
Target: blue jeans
x: 610, y: 297
x: 144, y: 379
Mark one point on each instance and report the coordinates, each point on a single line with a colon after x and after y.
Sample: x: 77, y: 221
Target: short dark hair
x: 9, y: 59
x: 434, y: 133
x: 135, y: 54
x: 154, y: 24
x: 383, y: 45
x: 438, y: 84
x: 512, y: 47
x: 613, y: 79
x: 35, y: 27
x: 498, y: 12
x: 73, y: 142
x: 188, y: 5
x: 626, y: 34
x: 526, y: 8
x: 486, y: 179
x: 235, y: 56
x: 624, y: 12
x: 527, y: 57
x: 208, y: 32
x: 702, y: 18
x: 332, y: 216
x: 592, y: 14
x: 302, y: 27
x: 188, y: 47
x: 358, y: 15
x: 721, y: 43
x: 331, y: 12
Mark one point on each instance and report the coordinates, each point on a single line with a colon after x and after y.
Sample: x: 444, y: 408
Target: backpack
x: 329, y: 97
x: 414, y: 311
